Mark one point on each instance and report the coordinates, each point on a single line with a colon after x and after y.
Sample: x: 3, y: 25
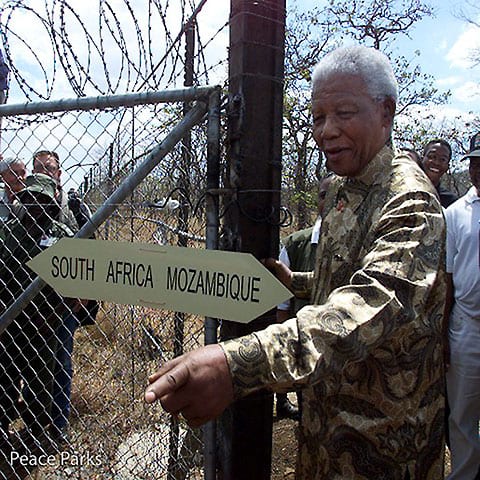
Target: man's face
x: 14, y: 178
x: 47, y: 165
x: 435, y: 162
x: 474, y: 171
x: 349, y: 126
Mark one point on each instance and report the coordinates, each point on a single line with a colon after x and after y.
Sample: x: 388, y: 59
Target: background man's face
x: 349, y: 126
x: 474, y: 171
x: 47, y: 165
x: 435, y: 162
x: 14, y: 178
x: 324, y: 186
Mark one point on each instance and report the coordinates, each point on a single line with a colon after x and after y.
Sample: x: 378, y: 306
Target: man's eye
x: 345, y: 113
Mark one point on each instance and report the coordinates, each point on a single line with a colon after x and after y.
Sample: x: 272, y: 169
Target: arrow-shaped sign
x: 213, y: 283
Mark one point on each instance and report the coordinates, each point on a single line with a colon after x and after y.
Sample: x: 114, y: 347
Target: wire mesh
x: 111, y: 434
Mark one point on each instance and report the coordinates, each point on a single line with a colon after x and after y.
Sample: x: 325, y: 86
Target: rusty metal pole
x: 257, y: 39
x: 174, y: 470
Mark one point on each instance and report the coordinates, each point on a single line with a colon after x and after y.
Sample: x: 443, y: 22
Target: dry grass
x: 112, y: 361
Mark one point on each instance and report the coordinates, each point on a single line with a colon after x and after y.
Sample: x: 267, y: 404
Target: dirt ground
x: 284, y: 449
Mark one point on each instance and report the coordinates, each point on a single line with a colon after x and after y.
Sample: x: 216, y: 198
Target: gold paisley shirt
x: 367, y: 352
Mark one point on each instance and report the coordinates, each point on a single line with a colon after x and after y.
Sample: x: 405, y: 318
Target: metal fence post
x: 212, y: 207
x: 257, y: 42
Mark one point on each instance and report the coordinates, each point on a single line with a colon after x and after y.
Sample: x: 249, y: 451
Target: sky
x: 444, y: 43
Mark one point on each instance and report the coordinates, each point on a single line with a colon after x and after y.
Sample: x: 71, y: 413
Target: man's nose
x: 330, y: 127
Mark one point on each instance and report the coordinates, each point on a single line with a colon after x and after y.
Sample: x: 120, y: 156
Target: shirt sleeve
x: 302, y: 284
x: 380, y: 303
x: 451, y: 248
x: 284, y: 258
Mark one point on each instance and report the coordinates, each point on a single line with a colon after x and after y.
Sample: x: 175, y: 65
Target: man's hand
x: 196, y: 385
x: 73, y: 201
x: 280, y: 270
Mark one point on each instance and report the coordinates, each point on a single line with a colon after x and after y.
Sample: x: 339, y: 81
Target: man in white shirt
x: 462, y: 312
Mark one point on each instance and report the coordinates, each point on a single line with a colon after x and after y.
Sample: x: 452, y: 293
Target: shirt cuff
x: 246, y: 361
x: 302, y: 283
x: 264, y: 359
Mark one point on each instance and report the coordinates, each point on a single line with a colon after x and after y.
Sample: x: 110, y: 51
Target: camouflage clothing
x: 301, y: 255
x: 66, y: 216
x: 368, y: 351
x: 28, y: 344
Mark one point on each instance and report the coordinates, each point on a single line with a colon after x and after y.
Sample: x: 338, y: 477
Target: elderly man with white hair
x: 367, y: 350
x: 13, y: 173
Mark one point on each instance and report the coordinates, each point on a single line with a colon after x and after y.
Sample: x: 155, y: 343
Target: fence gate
x: 127, y: 158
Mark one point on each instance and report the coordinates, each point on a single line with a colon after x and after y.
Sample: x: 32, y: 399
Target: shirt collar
x: 316, y: 230
x: 377, y: 169
x: 472, y: 196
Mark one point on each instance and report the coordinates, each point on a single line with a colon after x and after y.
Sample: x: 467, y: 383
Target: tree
x: 313, y: 33
x: 470, y: 13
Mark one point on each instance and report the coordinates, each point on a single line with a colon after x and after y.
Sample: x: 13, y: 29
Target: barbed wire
x: 106, y: 48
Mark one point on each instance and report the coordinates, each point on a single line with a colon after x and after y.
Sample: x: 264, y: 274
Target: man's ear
x: 389, y: 107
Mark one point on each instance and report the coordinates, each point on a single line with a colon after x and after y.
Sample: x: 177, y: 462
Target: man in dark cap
x: 462, y: 315
x: 28, y: 344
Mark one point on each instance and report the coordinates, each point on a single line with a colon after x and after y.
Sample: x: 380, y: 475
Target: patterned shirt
x: 368, y: 350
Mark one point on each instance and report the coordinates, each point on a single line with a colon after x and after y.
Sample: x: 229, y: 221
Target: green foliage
x: 376, y: 23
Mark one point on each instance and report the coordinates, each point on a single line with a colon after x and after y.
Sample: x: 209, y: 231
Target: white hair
x: 368, y: 63
x: 8, y: 162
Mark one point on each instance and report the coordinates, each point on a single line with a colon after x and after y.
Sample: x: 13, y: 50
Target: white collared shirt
x: 463, y: 251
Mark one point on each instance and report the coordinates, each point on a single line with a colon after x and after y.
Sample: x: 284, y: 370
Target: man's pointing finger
x: 166, y: 383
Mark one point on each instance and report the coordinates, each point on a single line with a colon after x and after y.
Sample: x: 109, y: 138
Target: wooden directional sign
x: 228, y: 285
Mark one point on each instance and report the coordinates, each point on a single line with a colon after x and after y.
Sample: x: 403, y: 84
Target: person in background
x: 28, y: 345
x: 13, y: 173
x: 462, y: 316
x: 413, y: 154
x: 48, y: 163
x: 367, y: 351
x: 75, y: 214
x: 298, y: 254
x: 435, y: 161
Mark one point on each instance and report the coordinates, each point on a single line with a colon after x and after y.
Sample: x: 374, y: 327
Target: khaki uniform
x: 368, y: 350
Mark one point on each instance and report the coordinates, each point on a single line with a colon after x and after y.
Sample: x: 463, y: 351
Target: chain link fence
x: 142, y: 175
